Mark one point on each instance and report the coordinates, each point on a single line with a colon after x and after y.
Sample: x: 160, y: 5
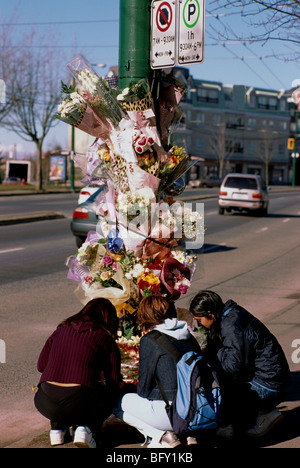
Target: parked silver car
x: 85, y: 219
x: 243, y: 192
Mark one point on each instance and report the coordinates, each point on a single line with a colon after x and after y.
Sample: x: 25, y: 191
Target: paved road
x: 253, y: 260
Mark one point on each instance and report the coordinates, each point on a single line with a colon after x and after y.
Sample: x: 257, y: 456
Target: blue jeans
x: 241, y: 403
x: 268, y: 398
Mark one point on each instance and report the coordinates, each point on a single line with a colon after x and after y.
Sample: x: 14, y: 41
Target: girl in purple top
x: 80, y: 352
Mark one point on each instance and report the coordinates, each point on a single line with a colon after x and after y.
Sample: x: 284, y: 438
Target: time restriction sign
x: 191, y: 31
x: 163, y: 30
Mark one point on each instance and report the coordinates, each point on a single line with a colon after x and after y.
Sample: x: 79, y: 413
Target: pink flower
x: 107, y: 260
x: 183, y: 289
x: 88, y: 279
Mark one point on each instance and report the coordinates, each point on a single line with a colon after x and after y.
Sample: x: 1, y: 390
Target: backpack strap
x: 165, y: 344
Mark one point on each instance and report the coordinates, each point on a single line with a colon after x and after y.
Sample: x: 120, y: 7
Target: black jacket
x: 249, y: 351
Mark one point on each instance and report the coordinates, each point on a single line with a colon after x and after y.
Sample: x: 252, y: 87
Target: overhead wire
x: 244, y: 43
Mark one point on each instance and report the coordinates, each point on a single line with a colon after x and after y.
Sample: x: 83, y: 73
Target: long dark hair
x: 100, y: 312
x: 206, y: 302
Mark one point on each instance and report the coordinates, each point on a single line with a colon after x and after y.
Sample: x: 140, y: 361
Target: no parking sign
x: 163, y: 41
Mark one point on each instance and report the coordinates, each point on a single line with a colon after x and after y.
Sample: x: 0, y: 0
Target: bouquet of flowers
x: 96, y: 91
x: 137, y: 252
x: 129, y: 349
x: 75, y: 111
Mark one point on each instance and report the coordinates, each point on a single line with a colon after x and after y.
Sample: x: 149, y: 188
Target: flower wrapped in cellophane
x: 75, y: 111
x: 96, y: 91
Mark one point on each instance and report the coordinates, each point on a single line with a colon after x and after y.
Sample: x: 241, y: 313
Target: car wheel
x: 79, y: 241
x: 221, y: 211
x: 263, y: 211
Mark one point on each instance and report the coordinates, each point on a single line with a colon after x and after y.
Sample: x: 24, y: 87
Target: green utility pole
x: 134, y: 47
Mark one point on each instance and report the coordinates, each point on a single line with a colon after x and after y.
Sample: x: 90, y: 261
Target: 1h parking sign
x: 191, y: 32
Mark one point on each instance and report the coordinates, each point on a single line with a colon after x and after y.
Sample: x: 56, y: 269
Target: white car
x: 243, y: 192
x: 86, y: 192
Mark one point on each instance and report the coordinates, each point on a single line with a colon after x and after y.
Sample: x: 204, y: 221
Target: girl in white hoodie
x: 146, y: 410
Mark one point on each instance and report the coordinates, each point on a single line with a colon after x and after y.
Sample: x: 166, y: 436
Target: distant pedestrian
x: 146, y: 410
x: 74, y: 358
x: 252, y: 369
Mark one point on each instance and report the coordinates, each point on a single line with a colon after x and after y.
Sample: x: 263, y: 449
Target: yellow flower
x: 123, y: 308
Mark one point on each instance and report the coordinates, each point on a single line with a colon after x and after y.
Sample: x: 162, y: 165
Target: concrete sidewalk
x: 118, y: 435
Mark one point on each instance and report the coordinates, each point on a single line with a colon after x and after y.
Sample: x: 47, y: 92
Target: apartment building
x: 235, y: 128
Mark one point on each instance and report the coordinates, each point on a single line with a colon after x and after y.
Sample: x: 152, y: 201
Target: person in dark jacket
x: 72, y: 362
x: 146, y: 410
x: 251, y: 366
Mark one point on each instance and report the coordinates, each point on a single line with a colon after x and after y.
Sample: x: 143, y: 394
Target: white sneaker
x: 225, y: 432
x: 57, y: 437
x: 265, y: 422
x: 83, y: 438
x: 191, y: 441
x: 168, y: 440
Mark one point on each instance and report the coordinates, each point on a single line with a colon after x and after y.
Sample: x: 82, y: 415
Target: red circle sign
x: 164, y: 17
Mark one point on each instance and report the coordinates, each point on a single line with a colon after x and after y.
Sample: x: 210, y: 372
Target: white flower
x: 136, y: 271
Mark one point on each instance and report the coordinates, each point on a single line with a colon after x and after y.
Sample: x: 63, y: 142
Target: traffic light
x: 291, y: 143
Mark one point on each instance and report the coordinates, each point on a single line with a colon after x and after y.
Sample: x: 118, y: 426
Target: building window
x: 267, y: 103
x: 217, y: 119
x: 281, y: 149
x: 234, y: 146
x: 283, y: 126
x: 200, y: 118
x: 271, y: 124
x: 234, y: 121
x: 282, y: 105
x: 207, y: 95
x: 251, y: 124
x: 199, y: 144
x: 251, y: 147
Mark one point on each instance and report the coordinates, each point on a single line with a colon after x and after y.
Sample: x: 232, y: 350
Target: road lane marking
x: 262, y: 229
x: 11, y: 250
x: 286, y: 220
x: 211, y: 213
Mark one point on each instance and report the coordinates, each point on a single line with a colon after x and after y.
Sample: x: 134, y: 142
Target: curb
x: 25, y: 218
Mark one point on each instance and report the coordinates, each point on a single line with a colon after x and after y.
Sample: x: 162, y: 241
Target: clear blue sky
x: 73, y: 22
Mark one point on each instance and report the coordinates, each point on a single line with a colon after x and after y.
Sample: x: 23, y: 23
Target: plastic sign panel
x: 163, y: 40
x: 191, y: 31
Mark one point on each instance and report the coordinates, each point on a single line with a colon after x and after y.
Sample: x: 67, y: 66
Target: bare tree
x: 6, y: 71
x: 221, y: 147
x: 268, y: 20
x: 34, y: 91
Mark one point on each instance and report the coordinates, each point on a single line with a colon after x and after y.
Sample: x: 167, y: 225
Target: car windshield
x: 241, y: 183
